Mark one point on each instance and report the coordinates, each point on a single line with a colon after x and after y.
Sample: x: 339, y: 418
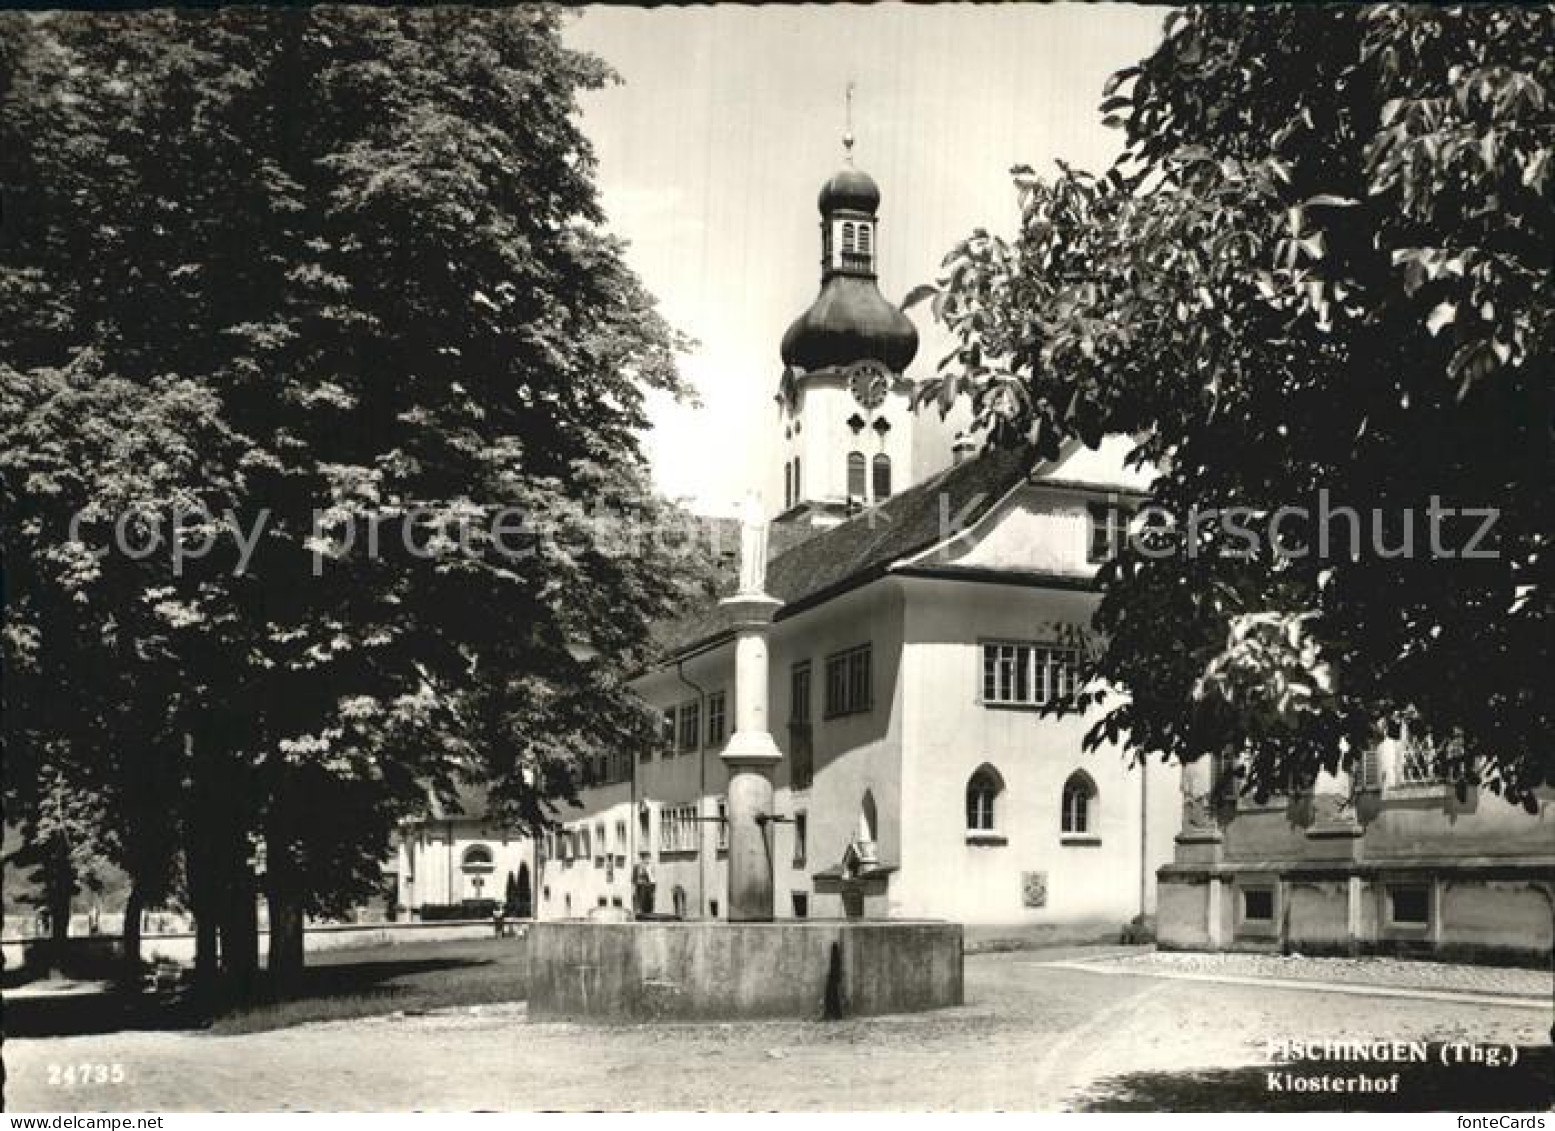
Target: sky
x: 730, y: 117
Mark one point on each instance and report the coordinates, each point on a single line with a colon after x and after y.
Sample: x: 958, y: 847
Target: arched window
x: 856, y: 484
x: 882, y: 476
x: 864, y: 231
x: 847, y: 238
x: 477, y: 858
x: 1079, y: 805
x: 982, y: 795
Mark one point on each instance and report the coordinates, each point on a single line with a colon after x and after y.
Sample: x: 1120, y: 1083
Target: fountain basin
x: 714, y: 970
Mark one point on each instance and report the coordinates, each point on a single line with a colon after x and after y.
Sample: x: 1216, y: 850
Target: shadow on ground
x: 326, y: 992
x: 1431, y: 1086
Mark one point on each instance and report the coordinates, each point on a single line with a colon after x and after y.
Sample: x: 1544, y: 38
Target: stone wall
x: 330, y: 936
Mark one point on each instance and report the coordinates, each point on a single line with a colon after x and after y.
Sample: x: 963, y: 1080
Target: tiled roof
x: 866, y: 545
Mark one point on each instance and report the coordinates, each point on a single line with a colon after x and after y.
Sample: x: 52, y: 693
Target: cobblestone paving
x: 1031, y: 1037
x: 1391, y: 972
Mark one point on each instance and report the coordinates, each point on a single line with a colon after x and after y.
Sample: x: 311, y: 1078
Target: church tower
x: 844, y: 409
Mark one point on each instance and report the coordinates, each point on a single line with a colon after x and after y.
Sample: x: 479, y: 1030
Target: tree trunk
x: 60, y: 883
x: 286, y: 943
x: 200, y: 870
x: 240, y: 934
x: 134, y: 904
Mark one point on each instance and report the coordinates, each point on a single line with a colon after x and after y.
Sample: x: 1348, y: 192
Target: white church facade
x: 934, y: 602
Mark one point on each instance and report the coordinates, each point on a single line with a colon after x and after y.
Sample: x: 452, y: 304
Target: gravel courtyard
x: 1032, y: 1037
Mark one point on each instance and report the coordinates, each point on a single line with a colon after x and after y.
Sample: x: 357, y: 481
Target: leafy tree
x: 369, y: 244
x: 1321, y: 264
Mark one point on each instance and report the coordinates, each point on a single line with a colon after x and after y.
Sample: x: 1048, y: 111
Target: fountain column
x: 751, y: 755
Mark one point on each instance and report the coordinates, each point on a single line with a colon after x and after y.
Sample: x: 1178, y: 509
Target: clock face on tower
x: 868, y: 382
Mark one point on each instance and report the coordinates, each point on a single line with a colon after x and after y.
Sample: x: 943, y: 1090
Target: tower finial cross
x: 847, y: 137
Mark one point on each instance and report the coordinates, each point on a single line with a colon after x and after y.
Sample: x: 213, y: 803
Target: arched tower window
x: 865, y: 232
x: 856, y: 484
x: 882, y: 476
x: 848, y: 245
x: 1079, y: 805
x: 982, y: 795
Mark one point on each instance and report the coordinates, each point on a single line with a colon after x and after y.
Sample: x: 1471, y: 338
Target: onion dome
x: 850, y: 321
x: 850, y: 189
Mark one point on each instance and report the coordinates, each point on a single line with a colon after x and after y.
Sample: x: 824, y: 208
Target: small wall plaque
x: 1033, y: 889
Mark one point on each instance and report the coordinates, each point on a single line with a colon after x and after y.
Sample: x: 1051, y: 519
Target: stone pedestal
x: 750, y: 757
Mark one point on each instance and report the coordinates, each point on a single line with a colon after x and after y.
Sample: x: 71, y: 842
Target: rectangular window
x: 667, y: 735
x: 801, y: 739
x: 723, y: 824
x: 690, y: 726
x: 717, y: 719
x: 1108, y: 531
x: 801, y: 837
x: 1028, y: 675
x: 621, y: 840
x: 801, y: 905
x: 799, y: 692
x: 678, y: 828
x: 1419, y: 754
x: 848, y: 682
x: 1258, y: 905
x: 1409, y: 905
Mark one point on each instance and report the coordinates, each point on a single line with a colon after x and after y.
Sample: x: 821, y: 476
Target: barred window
x: 1028, y: 674
x: 848, y: 679
x: 678, y: 828
x: 723, y: 824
